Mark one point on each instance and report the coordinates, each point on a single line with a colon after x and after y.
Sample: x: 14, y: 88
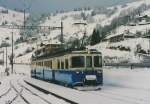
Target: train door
x: 66, y: 63
x: 89, y: 62
x: 62, y: 64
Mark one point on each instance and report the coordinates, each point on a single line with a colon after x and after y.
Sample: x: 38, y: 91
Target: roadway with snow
x: 121, y: 86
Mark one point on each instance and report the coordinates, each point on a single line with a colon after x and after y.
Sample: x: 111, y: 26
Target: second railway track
x: 19, y: 93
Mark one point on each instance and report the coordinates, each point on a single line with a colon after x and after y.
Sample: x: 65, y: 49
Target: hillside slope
x: 93, y: 18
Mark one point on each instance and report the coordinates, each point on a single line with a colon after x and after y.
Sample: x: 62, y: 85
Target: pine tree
x: 95, y: 38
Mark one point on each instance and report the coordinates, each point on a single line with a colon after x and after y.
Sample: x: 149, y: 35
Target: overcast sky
x: 43, y: 6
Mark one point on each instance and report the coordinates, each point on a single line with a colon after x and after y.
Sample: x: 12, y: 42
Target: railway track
x: 45, y: 93
x: 51, y: 93
x: 19, y: 93
x: 9, y: 95
x: 25, y: 89
x: 7, y: 90
x: 5, y: 93
x: 34, y: 93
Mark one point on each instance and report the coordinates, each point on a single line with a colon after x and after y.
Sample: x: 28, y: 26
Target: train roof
x: 61, y: 52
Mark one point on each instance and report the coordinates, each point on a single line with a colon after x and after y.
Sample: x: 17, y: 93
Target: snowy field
x: 121, y: 86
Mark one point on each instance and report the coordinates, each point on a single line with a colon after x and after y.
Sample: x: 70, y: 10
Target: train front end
x: 87, y: 68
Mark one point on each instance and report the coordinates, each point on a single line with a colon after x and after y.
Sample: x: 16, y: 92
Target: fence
x: 129, y: 65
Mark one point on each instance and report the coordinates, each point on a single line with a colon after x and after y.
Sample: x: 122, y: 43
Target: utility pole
x: 61, y: 38
x: 82, y: 44
x: 12, y: 57
x: 24, y: 22
x: 149, y: 47
x: 84, y: 35
x: 3, y: 56
x: 6, y: 56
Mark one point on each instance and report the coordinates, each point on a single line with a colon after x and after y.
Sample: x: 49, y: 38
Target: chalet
x: 142, y: 17
x: 146, y: 36
x: 32, y: 39
x: 128, y: 34
x: 120, y: 37
x: 46, y: 48
x: 4, y: 11
x: 115, y: 38
x: 140, y: 20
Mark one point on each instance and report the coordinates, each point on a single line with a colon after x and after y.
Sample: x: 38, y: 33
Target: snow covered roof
x: 113, y: 35
x: 46, y: 42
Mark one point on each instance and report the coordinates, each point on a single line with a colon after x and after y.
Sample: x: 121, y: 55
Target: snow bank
x: 127, y: 78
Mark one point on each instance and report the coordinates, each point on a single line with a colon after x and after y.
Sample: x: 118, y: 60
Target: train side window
x: 50, y: 64
x: 58, y: 64
x: 66, y: 64
x: 62, y: 65
x: 97, y: 61
x: 46, y: 64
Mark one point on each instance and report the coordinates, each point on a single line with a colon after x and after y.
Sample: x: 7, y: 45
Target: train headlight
x: 77, y: 72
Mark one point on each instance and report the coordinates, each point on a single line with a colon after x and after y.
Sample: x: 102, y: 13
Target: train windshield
x: 89, y: 61
x: 77, y: 61
x: 97, y: 61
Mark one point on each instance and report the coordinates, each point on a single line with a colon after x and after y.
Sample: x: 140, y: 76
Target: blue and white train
x: 69, y: 67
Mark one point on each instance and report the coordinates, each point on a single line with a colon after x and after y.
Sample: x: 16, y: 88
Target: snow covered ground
x: 121, y: 86
x: 125, y: 77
